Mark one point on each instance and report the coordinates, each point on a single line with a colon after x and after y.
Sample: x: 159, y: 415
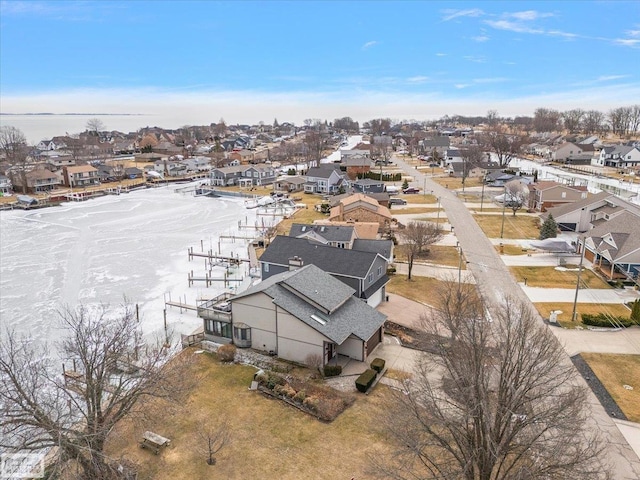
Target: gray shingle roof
x: 332, y: 233
x: 382, y: 247
x: 625, y: 231
x: 340, y: 261
x: 295, y: 292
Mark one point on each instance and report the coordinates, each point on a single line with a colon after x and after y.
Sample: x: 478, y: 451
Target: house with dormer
x: 585, y: 214
x: 361, y: 208
x: 363, y: 270
x: 613, y: 247
x: 619, y: 156
x: 547, y: 194
x: 243, y: 175
x: 296, y: 314
x: 327, y: 178
x: 80, y: 176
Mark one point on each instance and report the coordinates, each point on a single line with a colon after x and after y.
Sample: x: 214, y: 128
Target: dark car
x: 411, y: 190
x: 397, y: 201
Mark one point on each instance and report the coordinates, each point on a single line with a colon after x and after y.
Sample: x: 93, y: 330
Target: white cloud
x: 480, y: 38
x: 633, y: 33
x: 450, y: 14
x: 490, y: 80
x: 460, y: 86
x: 608, y: 78
x: 475, y: 58
x: 517, y: 27
x: 369, y: 44
x: 529, y: 15
x: 441, y: 54
x: 418, y: 79
x: 627, y: 42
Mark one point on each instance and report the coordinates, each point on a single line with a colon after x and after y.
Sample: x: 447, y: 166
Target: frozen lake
x: 101, y: 250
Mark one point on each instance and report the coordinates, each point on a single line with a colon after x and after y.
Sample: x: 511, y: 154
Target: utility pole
x: 482, y: 194
x: 575, y: 299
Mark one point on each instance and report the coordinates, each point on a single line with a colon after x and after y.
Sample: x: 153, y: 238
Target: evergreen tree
x: 549, y: 228
x: 405, y: 184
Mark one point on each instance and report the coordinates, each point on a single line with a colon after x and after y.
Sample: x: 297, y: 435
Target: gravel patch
x: 598, y: 389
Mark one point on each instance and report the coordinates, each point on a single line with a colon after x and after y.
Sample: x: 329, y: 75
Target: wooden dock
x: 215, y: 257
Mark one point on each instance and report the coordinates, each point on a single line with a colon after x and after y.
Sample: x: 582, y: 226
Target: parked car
x: 397, y: 201
x: 411, y: 190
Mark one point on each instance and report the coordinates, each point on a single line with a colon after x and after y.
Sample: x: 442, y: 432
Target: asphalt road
x: 496, y: 284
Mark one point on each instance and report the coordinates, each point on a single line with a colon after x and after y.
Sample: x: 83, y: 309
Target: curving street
x: 495, y: 284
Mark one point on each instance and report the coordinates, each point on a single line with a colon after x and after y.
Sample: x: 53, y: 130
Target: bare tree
x: 13, y: 145
x: 620, y: 120
x: 381, y: 149
x: 472, y: 156
x: 516, y: 195
x: 417, y: 236
x: 213, y: 439
x: 572, y: 119
x: 634, y: 119
x: 314, y: 140
x: 77, y: 411
x: 505, y: 145
x: 497, y: 401
x: 95, y: 125
x: 380, y: 126
x: 593, y: 122
x: 546, y: 120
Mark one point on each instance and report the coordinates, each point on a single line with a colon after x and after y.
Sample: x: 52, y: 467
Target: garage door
x: 375, y: 339
x: 375, y: 299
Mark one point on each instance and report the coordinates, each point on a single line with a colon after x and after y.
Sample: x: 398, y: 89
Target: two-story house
x: 80, y: 176
x: 38, y: 181
x: 544, y: 195
x: 619, y: 156
x: 364, y: 271
x: 5, y: 185
x: 327, y: 178
x: 361, y: 208
x: 570, y: 152
x: 243, y: 175
x: 297, y: 314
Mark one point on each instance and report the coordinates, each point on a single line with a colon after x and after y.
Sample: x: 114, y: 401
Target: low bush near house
x: 364, y: 381
x: 332, y: 370
x: 378, y: 364
x: 227, y: 353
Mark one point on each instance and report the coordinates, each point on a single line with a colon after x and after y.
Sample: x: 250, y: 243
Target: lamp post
x: 482, y: 194
x: 459, y: 264
x: 438, y: 214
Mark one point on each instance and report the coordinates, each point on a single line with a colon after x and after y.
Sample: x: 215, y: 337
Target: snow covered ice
x: 103, y: 250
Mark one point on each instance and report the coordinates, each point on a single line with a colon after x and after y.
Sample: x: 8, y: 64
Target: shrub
x: 300, y: 396
x: 602, y: 320
x: 314, y: 360
x: 227, y: 353
x: 288, y: 391
x: 378, y: 364
x: 270, y: 381
x: 332, y: 370
x: 278, y: 389
x: 311, y: 403
x: 364, y: 381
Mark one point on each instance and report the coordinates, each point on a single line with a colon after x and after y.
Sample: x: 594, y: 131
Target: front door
x: 329, y: 352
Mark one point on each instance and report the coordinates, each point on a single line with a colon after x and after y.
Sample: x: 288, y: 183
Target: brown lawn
x: 419, y: 289
x: 615, y: 309
x: 419, y: 198
x: 549, y: 277
x: 301, y: 216
x: 508, y: 249
x: 453, y: 183
x: 520, y: 226
x: 269, y: 439
x: 615, y: 371
x: 414, y: 210
x: 436, y: 255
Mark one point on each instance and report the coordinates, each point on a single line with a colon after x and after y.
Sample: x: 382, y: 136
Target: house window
x: 379, y: 271
x: 242, y: 333
x: 219, y: 329
x: 564, y: 195
x: 370, y: 277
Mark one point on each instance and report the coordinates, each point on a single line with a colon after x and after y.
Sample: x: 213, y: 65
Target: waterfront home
x: 327, y: 178
x: 38, y: 181
x: 364, y: 271
x: 243, y: 175
x: 361, y: 208
x: 297, y: 315
x: 80, y: 176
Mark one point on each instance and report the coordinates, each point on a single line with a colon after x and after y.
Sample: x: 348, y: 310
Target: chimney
x: 295, y: 263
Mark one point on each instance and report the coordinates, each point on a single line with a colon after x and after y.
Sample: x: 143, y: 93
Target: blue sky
x: 250, y: 61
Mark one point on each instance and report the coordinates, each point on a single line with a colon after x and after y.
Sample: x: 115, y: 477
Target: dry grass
x: 269, y: 439
x: 437, y: 255
x: 419, y: 289
x: 419, y: 198
x: 520, y: 226
x: 508, y: 249
x: 564, y: 318
x: 454, y: 183
x: 441, y: 219
x: 549, y: 277
x: 414, y: 210
x: 615, y: 371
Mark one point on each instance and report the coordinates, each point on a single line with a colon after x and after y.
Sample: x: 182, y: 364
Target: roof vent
x: 318, y: 319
